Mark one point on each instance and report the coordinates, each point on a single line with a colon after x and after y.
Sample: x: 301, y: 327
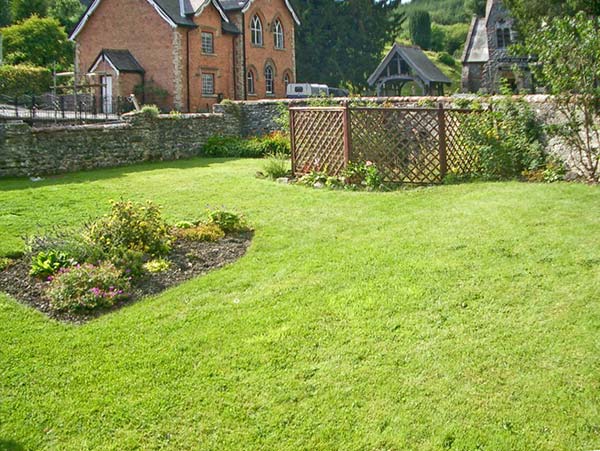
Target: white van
x: 303, y: 90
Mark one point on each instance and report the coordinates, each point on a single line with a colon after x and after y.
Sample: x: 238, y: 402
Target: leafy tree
x: 5, y: 14
x: 569, y: 52
x: 37, y: 41
x: 67, y: 12
x: 420, y: 29
x: 475, y: 7
x: 23, y: 9
x: 341, y: 43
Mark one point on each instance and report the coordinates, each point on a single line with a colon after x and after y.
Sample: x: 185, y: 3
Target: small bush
x: 277, y: 165
x: 203, y: 232
x: 45, y: 264
x: 71, y: 242
x: 157, y: 265
x: 233, y: 147
x: 150, y: 111
x: 447, y: 59
x: 227, y: 221
x: 5, y: 263
x: 274, y: 143
x: 313, y: 178
x: 184, y: 225
x: 133, y: 226
x: 363, y: 174
x: 129, y: 261
x: 86, y: 287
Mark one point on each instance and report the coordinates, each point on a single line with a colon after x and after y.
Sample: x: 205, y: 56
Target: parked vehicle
x: 304, y: 90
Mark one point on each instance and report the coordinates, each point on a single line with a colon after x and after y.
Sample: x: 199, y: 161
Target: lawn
x: 460, y: 317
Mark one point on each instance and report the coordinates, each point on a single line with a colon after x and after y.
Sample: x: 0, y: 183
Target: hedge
x: 23, y: 79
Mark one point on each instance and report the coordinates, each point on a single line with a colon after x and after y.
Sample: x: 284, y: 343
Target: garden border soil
x: 189, y: 259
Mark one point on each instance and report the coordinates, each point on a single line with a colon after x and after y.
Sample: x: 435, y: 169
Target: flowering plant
x: 85, y: 287
x: 363, y: 174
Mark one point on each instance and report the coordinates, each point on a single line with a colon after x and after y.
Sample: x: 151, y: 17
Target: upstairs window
x: 208, y: 43
x: 503, y: 35
x: 251, y: 86
x: 278, y: 34
x: 256, y: 31
x: 269, y: 85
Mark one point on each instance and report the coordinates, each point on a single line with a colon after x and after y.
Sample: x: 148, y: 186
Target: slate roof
x: 233, y: 5
x: 230, y: 28
x: 417, y: 60
x: 122, y: 60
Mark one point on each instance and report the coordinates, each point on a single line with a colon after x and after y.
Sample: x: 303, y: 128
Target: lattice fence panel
x: 318, y: 135
x: 402, y: 143
x: 461, y: 157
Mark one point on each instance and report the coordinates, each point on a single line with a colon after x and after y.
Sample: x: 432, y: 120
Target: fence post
x: 16, y: 106
x: 442, y: 139
x: 62, y: 106
x: 292, y: 140
x: 32, y: 107
x: 346, y: 124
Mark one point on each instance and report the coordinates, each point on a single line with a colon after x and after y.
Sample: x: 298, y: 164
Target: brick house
x: 486, y: 59
x: 186, y: 54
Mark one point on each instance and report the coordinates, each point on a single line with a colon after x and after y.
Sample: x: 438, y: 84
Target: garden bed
x: 188, y: 259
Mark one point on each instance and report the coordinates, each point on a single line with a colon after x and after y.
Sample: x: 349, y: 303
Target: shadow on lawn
x: 9, y: 445
x: 92, y: 175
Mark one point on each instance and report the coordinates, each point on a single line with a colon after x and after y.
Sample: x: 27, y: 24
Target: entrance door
x: 106, y: 81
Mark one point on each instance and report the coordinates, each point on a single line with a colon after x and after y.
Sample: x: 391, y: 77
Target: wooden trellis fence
x: 408, y: 145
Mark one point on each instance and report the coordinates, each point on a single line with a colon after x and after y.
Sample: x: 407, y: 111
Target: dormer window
x: 256, y: 31
x: 278, y: 34
x: 503, y: 35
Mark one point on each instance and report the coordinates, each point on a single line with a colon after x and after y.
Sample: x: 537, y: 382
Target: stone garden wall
x: 27, y: 151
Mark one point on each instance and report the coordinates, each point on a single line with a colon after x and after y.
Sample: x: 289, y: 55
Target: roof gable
x: 416, y: 59
x: 244, y: 5
x: 119, y: 60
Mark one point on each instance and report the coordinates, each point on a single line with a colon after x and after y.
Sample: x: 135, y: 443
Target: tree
x: 475, y: 7
x: 5, y: 15
x: 37, y: 41
x: 341, y: 42
x: 420, y: 29
x: 568, y: 49
x: 23, y: 9
x: 68, y: 12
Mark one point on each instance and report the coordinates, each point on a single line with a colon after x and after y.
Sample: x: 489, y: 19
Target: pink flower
x: 369, y: 163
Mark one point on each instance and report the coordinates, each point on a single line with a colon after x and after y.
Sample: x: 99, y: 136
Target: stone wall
x: 27, y: 151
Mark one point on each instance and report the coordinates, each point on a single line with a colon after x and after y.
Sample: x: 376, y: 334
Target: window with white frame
x: 278, y: 34
x: 269, y: 85
x: 208, y: 84
x: 208, y: 43
x: 256, y: 31
x: 251, y: 86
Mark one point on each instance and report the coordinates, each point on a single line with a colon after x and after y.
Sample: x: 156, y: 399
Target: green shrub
x: 313, y: 178
x: 203, y: 232
x: 129, y: 261
x: 184, y: 225
x: 45, y: 264
x: 227, y: 221
x: 150, y: 111
x: 447, y: 59
x: 274, y: 143
x: 86, y: 287
x: 507, y: 140
x: 132, y: 226
x: 24, y: 79
x: 233, y: 147
x: 277, y: 165
x: 363, y: 174
x: 5, y: 263
x: 71, y: 242
x: 157, y: 265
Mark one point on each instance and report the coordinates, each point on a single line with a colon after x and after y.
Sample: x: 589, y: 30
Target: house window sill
x: 258, y: 46
x: 209, y: 54
x: 252, y: 94
x: 209, y: 96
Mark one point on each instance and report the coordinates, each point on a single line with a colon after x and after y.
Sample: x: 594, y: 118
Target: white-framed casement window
x: 251, y: 84
x: 269, y: 84
x: 208, y: 84
x: 208, y: 43
x: 256, y: 31
x: 278, y: 34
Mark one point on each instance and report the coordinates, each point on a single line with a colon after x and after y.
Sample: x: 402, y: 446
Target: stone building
x: 185, y: 55
x: 486, y: 59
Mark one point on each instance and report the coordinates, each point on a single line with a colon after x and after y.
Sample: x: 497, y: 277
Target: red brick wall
x: 133, y: 25
x: 220, y: 64
x: 257, y: 57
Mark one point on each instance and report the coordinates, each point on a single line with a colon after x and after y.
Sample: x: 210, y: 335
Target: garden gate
x: 408, y: 145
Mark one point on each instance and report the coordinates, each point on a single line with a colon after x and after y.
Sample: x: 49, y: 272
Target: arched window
x: 269, y: 86
x: 286, y: 80
x: 256, y: 31
x: 503, y: 34
x: 278, y: 34
x: 251, y: 87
